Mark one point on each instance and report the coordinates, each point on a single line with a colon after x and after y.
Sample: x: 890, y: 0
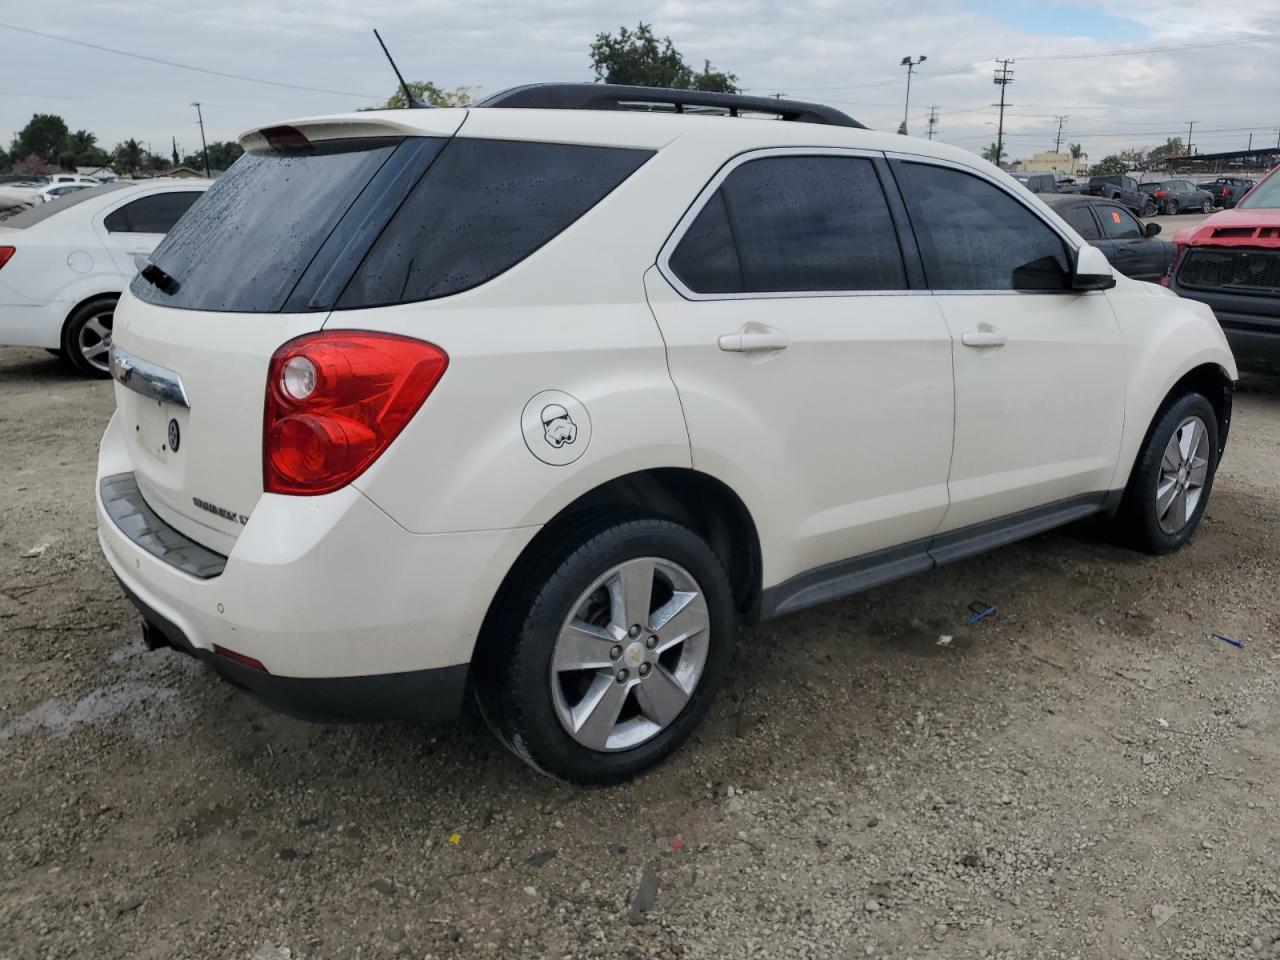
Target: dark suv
x: 1179, y: 196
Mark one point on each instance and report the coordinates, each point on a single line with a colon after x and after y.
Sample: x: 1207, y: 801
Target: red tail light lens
x: 5, y: 254
x: 1160, y: 194
x: 336, y: 400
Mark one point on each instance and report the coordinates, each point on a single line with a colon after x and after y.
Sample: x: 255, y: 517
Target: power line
x: 186, y: 66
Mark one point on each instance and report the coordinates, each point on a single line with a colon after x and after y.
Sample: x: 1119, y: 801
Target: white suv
x: 543, y: 398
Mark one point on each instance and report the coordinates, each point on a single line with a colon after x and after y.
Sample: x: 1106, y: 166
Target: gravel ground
x: 1084, y: 774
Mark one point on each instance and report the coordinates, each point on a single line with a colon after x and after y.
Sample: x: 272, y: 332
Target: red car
x: 1231, y: 261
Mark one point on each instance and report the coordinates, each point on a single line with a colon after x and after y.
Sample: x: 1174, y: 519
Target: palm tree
x: 1076, y: 152
x: 129, y: 155
x: 994, y: 153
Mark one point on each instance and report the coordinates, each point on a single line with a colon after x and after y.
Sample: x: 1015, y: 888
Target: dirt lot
x: 1085, y: 774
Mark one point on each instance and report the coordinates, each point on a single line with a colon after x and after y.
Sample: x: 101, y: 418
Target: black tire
x: 1137, y: 521
x: 1149, y: 209
x: 1207, y: 206
x: 1171, y: 208
x: 513, y: 679
x: 83, y: 315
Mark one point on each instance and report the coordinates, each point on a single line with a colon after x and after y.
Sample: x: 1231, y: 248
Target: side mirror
x: 1153, y: 229
x: 1093, y: 270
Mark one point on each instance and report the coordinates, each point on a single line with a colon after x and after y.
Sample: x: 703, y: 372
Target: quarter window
x: 974, y: 236
x: 154, y: 214
x: 793, y: 224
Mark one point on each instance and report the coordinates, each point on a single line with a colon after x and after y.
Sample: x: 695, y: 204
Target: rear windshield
x: 349, y: 224
x: 1265, y: 195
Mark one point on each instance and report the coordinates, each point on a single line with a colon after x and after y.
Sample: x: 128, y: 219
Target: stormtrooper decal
x: 556, y: 427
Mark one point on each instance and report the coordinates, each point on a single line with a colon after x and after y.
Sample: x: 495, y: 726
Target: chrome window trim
x: 147, y: 379
x: 1073, y: 248
x: 708, y: 191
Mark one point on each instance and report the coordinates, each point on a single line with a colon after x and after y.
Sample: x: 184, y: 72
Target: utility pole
x: 1004, y: 77
x: 911, y: 65
x: 1190, y: 124
x: 203, y: 144
x: 933, y: 120
x: 1250, y: 146
x: 1057, y: 143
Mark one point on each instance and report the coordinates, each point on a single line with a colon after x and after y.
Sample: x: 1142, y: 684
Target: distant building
x: 188, y: 172
x: 1049, y: 162
x: 105, y: 174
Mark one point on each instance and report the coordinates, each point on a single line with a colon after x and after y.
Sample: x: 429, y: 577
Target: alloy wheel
x: 630, y: 654
x: 1183, y: 472
x: 94, y: 340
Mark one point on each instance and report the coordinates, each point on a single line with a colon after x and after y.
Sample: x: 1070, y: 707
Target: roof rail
x: 610, y: 96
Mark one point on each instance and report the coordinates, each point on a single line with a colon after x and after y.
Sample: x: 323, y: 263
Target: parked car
x: 1227, y: 191
x: 1232, y: 263
x: 64, y: 263
x: 1046, y: 183
x: 543, y: 397
x: 80, y: 178
x: 55, y: 190
x: 1179, y: 196
x: 1132, y: 247
x: 1124, y: 189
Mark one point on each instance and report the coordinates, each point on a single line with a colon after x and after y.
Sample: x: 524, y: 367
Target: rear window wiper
x: 159, y: 279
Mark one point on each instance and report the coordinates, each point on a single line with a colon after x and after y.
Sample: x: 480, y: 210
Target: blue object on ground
x: 1235, y: 643
x: 980, y: 611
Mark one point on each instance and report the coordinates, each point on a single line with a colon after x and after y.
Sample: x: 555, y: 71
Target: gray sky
x: 843, y: 53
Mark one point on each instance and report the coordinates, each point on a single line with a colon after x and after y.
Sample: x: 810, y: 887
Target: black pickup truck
x: 1046, y: 183
x: 1124, y: 189
x: 1227, y: 191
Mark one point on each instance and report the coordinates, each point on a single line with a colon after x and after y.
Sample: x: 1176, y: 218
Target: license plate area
x: 159, y: 428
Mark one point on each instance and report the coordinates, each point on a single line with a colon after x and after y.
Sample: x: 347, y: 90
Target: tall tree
x: 638, y: 57
x: 428, y: 93
x: 1110, y: 165
x: 82, y: 141
x: 129, y: 155
x: 1076, y: 152
x: 221, y: 155
x: 1172, y: 147
x: 45, y: 135
x: 995, y: 153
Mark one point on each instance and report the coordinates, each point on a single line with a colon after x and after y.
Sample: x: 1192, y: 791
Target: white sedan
x: 63, y: 264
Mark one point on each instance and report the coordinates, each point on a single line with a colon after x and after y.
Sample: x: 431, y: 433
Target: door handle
x: 754, y: 338
x: 984, y: 336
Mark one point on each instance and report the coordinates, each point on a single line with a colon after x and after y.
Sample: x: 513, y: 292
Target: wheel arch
x: 84, y: 300
x: 694, y: 499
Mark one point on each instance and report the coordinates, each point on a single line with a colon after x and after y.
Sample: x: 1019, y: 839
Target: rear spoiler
x: 443, y: 122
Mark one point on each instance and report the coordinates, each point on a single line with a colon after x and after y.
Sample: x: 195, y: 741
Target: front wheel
x: 1171, y: 480
x: 1207, y: 206
x: 610, y: 657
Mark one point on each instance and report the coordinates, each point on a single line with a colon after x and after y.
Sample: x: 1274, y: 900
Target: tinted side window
x: 974, y: 236
x: 1081, y: 221
x: 1119, y: 224
x: 812, y: 224
x: 481, y: 208
x: 154, y: 214
x: 706, y: 258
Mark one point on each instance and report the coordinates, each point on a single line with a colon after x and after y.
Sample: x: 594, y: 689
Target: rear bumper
x: 350, y: 615
x: 419, y: 696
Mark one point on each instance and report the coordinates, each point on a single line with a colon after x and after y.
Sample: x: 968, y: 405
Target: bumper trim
x: 129, y: 512
x: 416, y: 696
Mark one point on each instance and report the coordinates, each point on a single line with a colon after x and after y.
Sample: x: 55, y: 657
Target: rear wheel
x: 1171, y: 208
x: 1207, y: 206
x: 1149, y: 208
x: 605, y: 666
x: 86, y: 337
x: 1171, y: 480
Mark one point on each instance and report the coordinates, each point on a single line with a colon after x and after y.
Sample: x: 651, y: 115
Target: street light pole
x: 911, y: 64
x: 204, y: 146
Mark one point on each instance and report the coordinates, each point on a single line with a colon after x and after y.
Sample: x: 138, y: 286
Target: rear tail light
x: 336, y: 400
x: 5, y: 254
x: 1225, y: 191
x: 1160, y: 194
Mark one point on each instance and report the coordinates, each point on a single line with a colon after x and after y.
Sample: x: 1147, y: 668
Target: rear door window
x: 1081, y: 221
x: 974, y: 236
x: 154, y: 214
x: 793, y: 224
x: 482, y: 207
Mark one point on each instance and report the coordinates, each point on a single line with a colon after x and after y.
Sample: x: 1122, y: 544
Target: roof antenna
x: 412, y: 101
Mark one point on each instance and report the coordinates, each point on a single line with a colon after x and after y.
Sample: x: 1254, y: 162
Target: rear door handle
x: 984, y: 336
x: 754, y: 339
